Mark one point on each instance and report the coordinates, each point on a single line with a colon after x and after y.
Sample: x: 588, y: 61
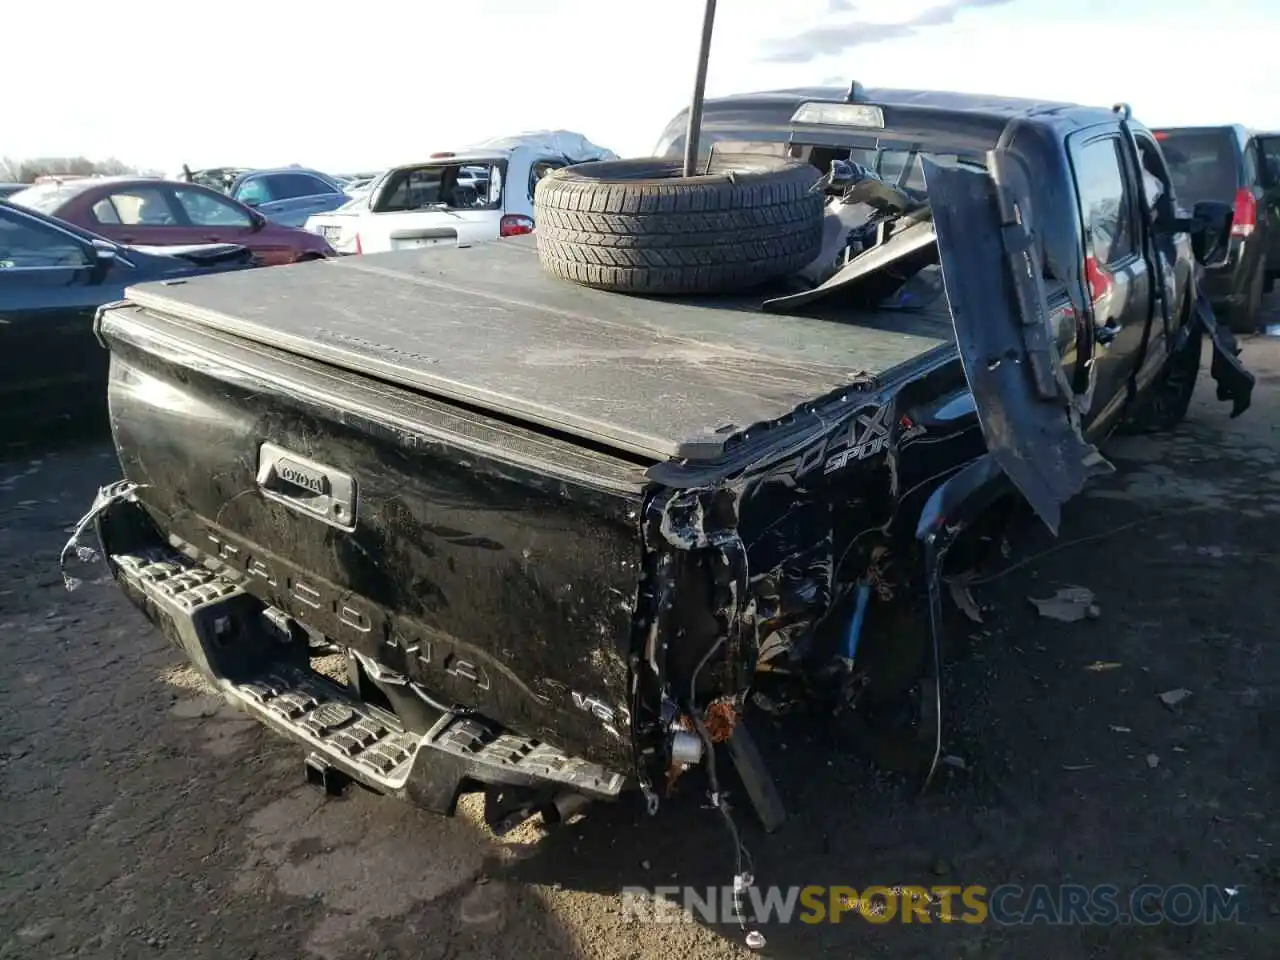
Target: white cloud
x: 382, y: 82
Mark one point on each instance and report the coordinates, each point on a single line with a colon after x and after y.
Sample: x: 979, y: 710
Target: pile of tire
x: 639, y: 226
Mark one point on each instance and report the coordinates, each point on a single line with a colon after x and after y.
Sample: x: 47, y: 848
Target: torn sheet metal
x: 911, y: 248
x: 1235, y: 383
x: 1036, y: 439
x: 120, y: 491
x: 839, y: 220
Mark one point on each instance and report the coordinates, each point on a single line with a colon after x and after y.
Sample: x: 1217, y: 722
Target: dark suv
x: 1235, y: 166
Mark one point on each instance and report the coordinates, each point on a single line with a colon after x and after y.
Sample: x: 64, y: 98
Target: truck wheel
x: 1165, y: 405
x: 1245, y: 320
x: 638, y: 226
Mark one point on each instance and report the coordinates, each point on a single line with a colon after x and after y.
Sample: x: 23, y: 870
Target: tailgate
x: 493, y: 566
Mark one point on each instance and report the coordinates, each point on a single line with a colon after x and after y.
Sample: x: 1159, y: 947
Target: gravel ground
x: 139, y: 817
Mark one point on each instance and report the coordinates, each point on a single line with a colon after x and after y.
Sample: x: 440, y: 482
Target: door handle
x: 307, y: 486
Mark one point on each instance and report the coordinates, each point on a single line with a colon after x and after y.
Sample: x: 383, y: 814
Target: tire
x: 1165, y: 404
x: 638, y: 226
x: 1246, y: 318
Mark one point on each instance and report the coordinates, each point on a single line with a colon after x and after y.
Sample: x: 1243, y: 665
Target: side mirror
x: 259, y: 221
x: 1210, y: 229
x: 102, y: 256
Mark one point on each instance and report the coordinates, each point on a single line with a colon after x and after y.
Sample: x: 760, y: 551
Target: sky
x: 364, y: 86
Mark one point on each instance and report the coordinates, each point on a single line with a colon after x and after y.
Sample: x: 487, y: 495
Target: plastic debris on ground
x: 1068, y: 605
x: 964, y: 600
x: 1171, y: 698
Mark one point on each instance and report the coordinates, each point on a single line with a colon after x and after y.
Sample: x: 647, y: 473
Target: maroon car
x: 163, y: 213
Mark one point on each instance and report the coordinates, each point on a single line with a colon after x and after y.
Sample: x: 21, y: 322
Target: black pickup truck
x: 559, y: 534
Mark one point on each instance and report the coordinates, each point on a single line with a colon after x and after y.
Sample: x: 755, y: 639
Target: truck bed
x: 484, y: 326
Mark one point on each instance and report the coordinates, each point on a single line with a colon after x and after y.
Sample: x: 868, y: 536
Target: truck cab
x: 1101, y: 272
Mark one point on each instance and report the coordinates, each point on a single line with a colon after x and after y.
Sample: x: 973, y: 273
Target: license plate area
x: 420, y: 237
x: 417, y: 243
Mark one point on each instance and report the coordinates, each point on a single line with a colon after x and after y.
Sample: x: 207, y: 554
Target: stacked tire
x: 639, y: 226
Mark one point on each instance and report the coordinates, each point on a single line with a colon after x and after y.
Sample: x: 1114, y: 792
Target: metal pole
x: 694, y: 131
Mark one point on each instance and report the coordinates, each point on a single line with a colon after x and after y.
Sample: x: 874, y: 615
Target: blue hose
x: 855, y: 625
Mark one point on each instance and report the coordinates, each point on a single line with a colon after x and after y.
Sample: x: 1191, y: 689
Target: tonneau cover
x: 484, y: 326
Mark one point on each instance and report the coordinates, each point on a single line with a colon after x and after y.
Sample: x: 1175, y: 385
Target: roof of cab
x: 988, y: 113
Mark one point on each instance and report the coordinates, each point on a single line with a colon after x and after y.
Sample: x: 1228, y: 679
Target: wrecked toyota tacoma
x: 555, y: 537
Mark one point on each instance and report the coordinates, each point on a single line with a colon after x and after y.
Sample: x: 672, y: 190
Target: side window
x: 539, y: 170
x: 309, y: 186
x: 289, y: 186
x: 27, y: 244
x: 1156, y: 183
x: 254, y: 191
x: 1269, y: 147
x: 1251, y: 162
x: 135, y: 207
x: 1106, y: 206
x: 411, y: 189
x: 105, y: 212
x: 206, y: 209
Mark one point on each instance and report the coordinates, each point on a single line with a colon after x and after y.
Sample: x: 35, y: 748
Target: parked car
x: 477, y: 193
x: 349, y: 179
x: 358, y: 186
x: 288, y: 195
x: 165, y: 213
x: 1230, y: 164
x: 53, y: 277
x: 561, y: 534
x: 216, y: 178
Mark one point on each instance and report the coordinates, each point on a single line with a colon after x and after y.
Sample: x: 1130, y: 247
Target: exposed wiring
x: 741, y: 855
x: 1079, y: 540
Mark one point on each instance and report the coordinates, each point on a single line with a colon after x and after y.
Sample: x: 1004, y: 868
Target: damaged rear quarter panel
x: 784, y: 529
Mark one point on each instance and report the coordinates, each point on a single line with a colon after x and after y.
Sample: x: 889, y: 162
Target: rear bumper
x: 395, y: 743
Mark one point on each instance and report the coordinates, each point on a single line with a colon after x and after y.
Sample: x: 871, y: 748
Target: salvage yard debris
x: 1171, y: 698
x: 1069, y: 605
x: 964, y: 600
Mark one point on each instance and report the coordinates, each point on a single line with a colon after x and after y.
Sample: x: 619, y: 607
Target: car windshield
x: 443, y: 186
x: 1203, y: 164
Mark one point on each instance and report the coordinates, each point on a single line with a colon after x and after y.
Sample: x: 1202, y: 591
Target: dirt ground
x: 140, y: 818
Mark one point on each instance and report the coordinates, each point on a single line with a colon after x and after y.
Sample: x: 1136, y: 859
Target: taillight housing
x: 1245, y: 217
x: 515, y: 225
